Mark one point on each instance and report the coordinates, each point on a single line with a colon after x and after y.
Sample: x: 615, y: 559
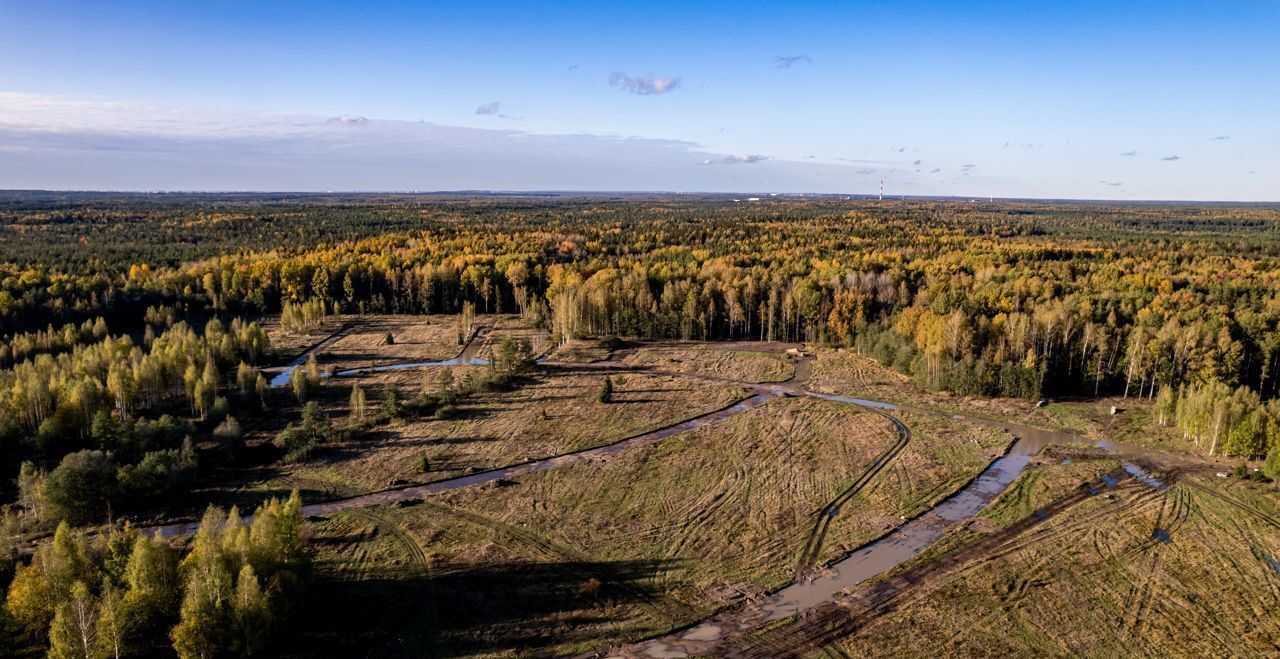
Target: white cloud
x: 66, y: 143
x: 646, y: 85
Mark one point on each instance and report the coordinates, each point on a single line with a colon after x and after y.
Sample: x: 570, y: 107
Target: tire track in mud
x: 813, y: 544
x: 1251, y: 510
x: 699, y: 516
x: 416, y: 492
x: 1180, y: 508
x: 823, y: 625
x: 1140, y: 590
x: 417, y: 557
x: 1047, y: 533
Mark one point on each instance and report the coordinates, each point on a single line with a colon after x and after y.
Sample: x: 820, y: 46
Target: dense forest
x: 1014, y: 299
x: 130, y: 344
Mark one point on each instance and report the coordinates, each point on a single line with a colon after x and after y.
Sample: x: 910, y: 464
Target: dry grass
x: 460, y: 584
x: 723, y: 510
x: 1149, y: 573
x: 731, y: 361
x: 514, y: 327
x: 417, y: 338
x: 579, y: 351
x: 291, y: 344
x: 943, y: 455
x: 552, y: 413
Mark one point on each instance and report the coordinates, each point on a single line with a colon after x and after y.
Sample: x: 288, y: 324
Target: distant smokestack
x: 881, y: 189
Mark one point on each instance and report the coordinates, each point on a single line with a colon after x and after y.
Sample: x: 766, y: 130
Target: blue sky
x: 1142, y: 100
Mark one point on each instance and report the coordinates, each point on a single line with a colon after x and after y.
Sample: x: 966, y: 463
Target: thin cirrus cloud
x: 1171, y: 158
x: 646, y: 85
x: 1129, y: 154
x: 749, y: 159
x: 489, y: 108
x: 788, y: 61
x: 1114, y: 184
x: 1219, y: 138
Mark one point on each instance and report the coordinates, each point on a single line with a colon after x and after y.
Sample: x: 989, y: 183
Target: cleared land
x: 739, y: 361
x: 548, y: 413
x: 849, y: 373
x: 1181, y: 571
x: 656, y: 537
x: 414, y: 339
x: 601, y: 553
x: 843, y: 371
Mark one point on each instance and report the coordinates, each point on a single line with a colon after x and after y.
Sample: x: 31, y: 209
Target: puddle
x: 703, y: 633
x: 282, y: 378
x: 1143, y: 476
x: 856, y: 401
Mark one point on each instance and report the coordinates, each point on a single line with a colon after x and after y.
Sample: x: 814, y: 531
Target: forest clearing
x: 475, y: 461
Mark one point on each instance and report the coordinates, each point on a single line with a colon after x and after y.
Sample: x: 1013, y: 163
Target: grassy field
x: 414, y: 339
x: 603, y: 552
x: 843, y: 371
x: 653, y: 539
x: 726, y: 360
x: 942, y: 456
x: 549, y: 413
x: 288, y: 345
x: 1138, y: 571
x: 846, y: 372
x: 460, y: 584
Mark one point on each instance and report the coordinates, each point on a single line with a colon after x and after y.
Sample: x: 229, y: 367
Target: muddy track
x: 1275, y: 523
x: 281, y: 378
x: 813, y: 544
x: 415, y: 492
x: 822, y: 625
x: 418, y: 557
x: 805, y: 617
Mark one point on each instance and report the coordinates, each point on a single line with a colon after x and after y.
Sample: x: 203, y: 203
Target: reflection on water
x: 1143, y: 476
x: 282, y: 378
x: 856, y: 401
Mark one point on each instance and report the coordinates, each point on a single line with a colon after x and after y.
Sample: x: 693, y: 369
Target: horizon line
x: 748, y: 196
